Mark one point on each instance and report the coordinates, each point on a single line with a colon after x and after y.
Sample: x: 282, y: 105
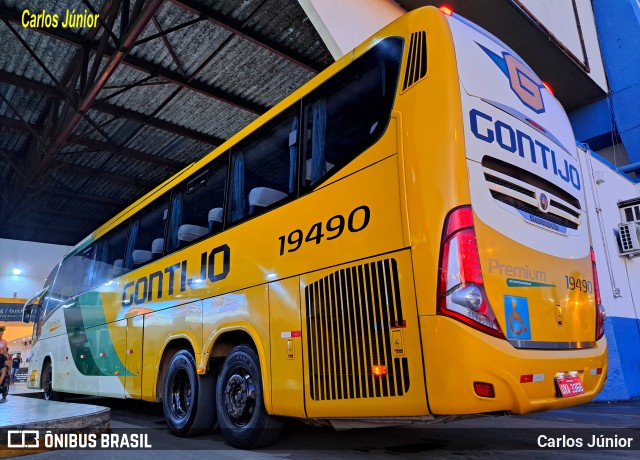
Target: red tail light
x: 546, y: 85
x: 601, y: 314
x: 484, y: 389
x: 446, y: 10
x: 461, y: 293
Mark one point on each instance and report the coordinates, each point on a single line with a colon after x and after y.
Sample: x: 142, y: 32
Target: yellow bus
x: 402, y: 238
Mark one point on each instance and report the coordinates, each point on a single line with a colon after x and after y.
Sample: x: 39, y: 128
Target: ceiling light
x: 16, y: 271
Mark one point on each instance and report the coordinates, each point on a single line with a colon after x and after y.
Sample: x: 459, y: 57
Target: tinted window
x: 146, y: 234
x: 110, y: 250
x: 349, y: 112
x: 74, y: 277
x: 264, y: 168
x: 197, y: 205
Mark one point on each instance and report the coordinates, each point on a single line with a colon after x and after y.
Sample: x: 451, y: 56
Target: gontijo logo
x: 512, y: 140
x: 524, y: 83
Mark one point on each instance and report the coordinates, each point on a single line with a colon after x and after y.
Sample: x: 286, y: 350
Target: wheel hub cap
x: 240, y: 397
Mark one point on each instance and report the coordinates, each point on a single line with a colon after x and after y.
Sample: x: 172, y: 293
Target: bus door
x: 32, y: 312
x: 133, y: 357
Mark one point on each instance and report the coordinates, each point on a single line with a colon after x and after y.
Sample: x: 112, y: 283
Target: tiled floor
x: 19, y: 410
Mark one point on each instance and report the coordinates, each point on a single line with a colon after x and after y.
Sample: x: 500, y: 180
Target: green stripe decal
x: 90, y: 341
x: 514, y: 282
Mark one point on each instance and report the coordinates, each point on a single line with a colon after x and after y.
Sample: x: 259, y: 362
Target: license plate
x: 569, y: 386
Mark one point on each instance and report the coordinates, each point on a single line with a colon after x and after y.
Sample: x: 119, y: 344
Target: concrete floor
x: 503, y: 437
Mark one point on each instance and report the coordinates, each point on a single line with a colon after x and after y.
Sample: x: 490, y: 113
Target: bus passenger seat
x: 307, y: 169
x: 140, y: 256
x: 263, y: 196
x: 157, y: 246
x: 215, y: 220
x: 117, y: 267
x: 187, y: 232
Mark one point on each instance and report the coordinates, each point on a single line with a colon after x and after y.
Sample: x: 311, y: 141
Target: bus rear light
x: 461, y: 293
x: 484, y: 389
x: 596, y: 285
x: 379, y: 370
x: 546, y: 85
x: 601, y: 313
x: 446, y: 10
x: 535, y: 125
x: 601, y: 316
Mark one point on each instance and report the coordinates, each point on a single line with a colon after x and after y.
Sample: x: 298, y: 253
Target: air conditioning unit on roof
x: 629, y: 238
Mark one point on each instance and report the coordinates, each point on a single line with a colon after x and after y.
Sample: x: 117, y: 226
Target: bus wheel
x: 243, y: 419
x: 188, y: 399
x: 47, y: 384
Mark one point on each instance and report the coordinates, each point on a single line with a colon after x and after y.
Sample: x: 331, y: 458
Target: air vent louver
x: 417, y: 61
x: 350, y: 314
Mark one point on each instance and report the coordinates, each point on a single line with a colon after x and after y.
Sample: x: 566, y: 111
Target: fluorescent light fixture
x: 16, y: 271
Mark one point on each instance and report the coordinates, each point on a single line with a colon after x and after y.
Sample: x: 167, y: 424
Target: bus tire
x: 47, y: 384
x: 188, y: 399
x: 244, y: 421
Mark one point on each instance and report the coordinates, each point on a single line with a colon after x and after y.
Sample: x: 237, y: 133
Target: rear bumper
x: 456, y: 356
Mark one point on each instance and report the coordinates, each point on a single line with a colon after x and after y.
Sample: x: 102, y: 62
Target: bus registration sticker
x: 516, y: 310
x: 569, y: 385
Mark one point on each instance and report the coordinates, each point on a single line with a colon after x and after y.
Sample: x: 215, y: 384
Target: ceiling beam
x: 125, y: 151
x: 44, y: 234
x: 12, y: 123
x: 143, y: 65
x: 105, y: 200
x: 70, y: 215
x: 163, y: 125
x: 257, y: 38
x: 116, y: 58
x: 112, y: 109
x: 106, y: 175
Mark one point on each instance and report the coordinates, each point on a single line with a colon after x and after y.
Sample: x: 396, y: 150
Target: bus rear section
x: 518, y: 325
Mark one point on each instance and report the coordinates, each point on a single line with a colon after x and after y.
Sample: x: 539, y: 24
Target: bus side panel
x: 160, y: 328
x: 246, y: 310
x: 360, y: 331
x: 432, y: 152
x: 286, y: 348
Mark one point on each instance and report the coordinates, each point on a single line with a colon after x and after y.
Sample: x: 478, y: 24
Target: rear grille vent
x: 532, y: 210
x: 417, y: 60
x: 509, y: 185
x: 555, y: 204
x: 523, y: 191
x: 350, y: 314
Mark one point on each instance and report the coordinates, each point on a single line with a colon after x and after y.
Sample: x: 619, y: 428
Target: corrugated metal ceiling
x: 194, y: 73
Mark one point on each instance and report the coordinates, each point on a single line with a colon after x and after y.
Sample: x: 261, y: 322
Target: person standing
x: 4, y: 349
x: 15, y: 365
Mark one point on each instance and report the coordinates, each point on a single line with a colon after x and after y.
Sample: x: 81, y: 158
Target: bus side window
x: 86, y: 268
x: 197, y: 205
x: 74, y: 277
x: 145, y: 232
x: 264, y: 168
x: 348, y: 113
x: 110, y: 255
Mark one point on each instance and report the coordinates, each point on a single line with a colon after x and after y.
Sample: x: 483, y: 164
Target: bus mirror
x: 28, y: 306
x: 26, y: 312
